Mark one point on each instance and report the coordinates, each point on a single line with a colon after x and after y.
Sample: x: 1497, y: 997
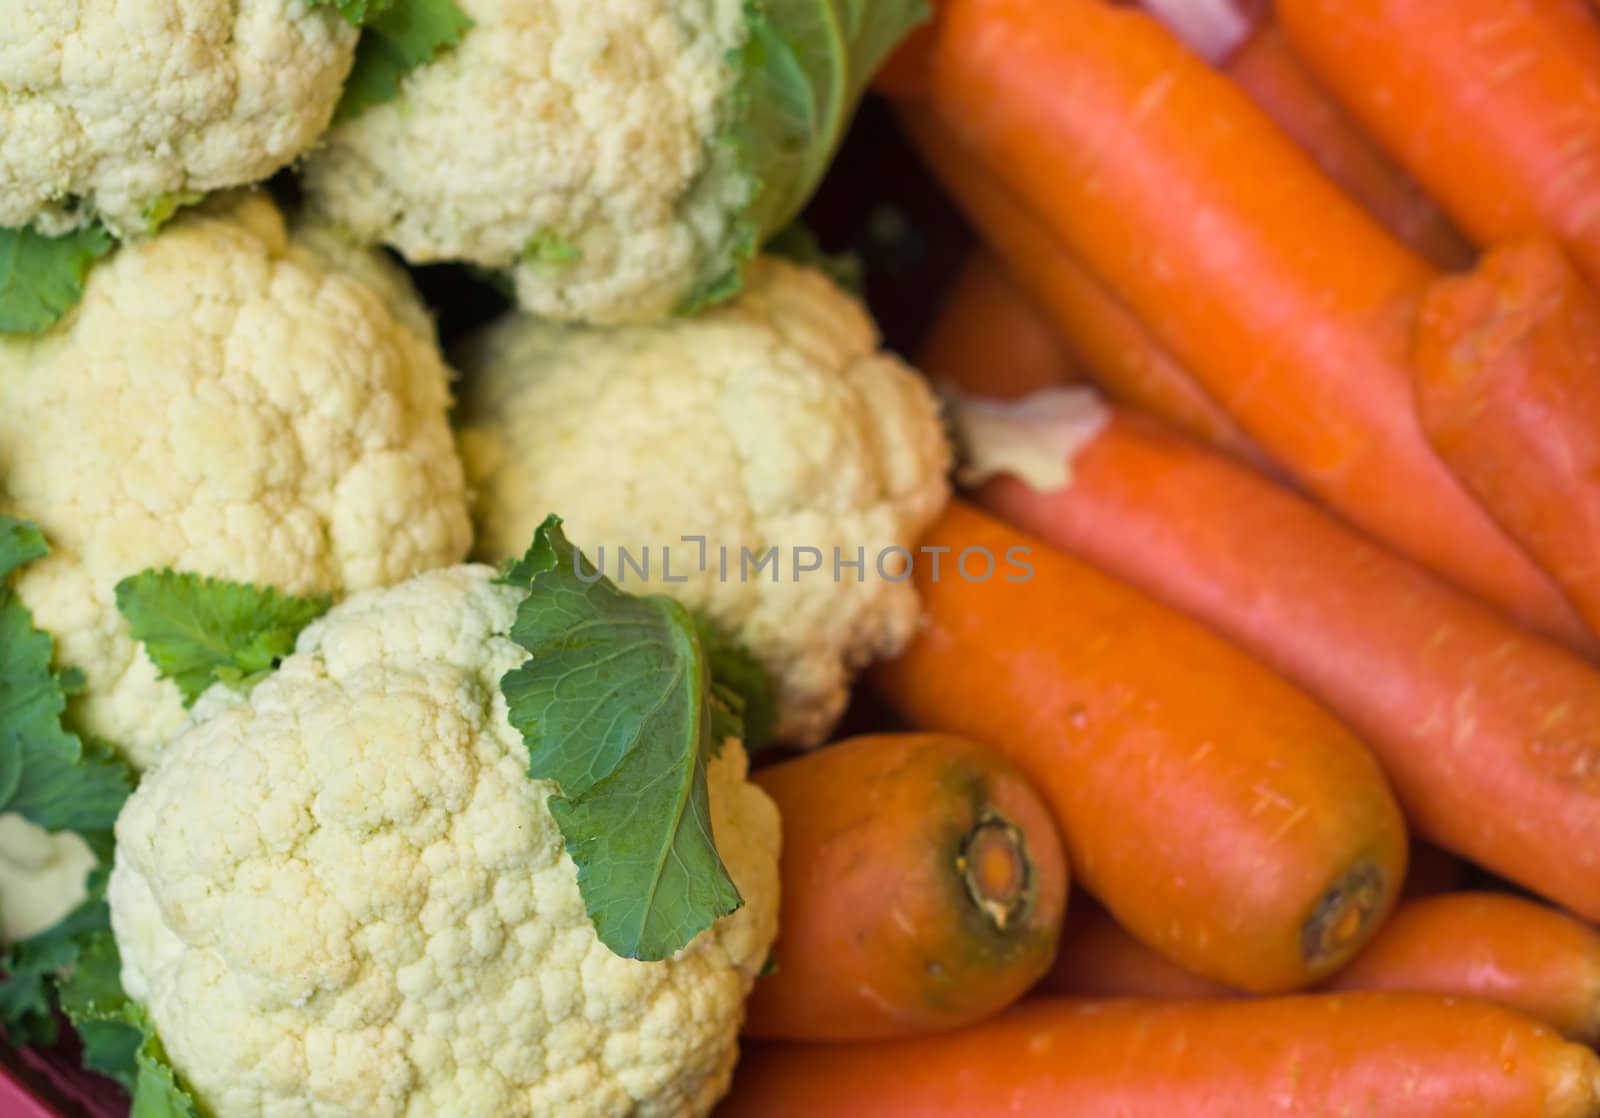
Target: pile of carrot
x: 1300, y: 689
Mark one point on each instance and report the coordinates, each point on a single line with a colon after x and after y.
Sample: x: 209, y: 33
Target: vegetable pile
x: 489, y: 628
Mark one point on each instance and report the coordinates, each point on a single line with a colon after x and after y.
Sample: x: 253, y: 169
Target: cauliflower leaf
x: 42, y: 278
x: 398, y: 36
x: 199, y: 631
x: 47, y: 774
x: 802, y: 72
x: 616, y: 706
x: 355, y: 12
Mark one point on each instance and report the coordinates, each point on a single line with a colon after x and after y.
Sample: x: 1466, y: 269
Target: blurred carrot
x: 1500, y: 948
x: 923, y: 888
x: 1114, y: 348
x: 1101, y: 959
x: 1376, y: 1055
x: 1276, y: 291
x: 986, y: 324
x: 1267, y: 69
x: 1508, y: 389
x: 1494, y: 105
x: 1219, y: 813
x: 1490, y: 735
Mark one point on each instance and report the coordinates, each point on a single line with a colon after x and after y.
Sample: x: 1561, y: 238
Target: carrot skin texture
x: 1495, y: 107
x: 987, y: 331
x: 1493, y: 946
x: 1508, y: 389
x: 1266, y: 68
x: 882, y: 934
x: 1490, y: 735
x: 1101, y: 959
x: 1224, y: 817
x: 1376, y: 1055
x: 1197, y: 212
x: 1112, y: 346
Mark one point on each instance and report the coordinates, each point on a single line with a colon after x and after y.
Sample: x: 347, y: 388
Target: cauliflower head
x: 41, y: 876
x: 770, y: 421
x: 572, y: 141
x: 342, y: 896
x: 110, y: 109
x: 224, y: 401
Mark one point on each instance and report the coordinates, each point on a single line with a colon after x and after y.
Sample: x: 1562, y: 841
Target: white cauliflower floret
x: 575, y: 141
x: 224, y: 402
x: 774, y: 420
x: 342, y: 896
x: 109, y: 109
x: 41, y: 876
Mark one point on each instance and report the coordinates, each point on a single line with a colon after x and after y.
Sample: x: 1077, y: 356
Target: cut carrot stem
x: 1218, y: 812
x: 1277, y: 81
x: 987, y: 328
x: 1112, y: 346
x: 1101, y: 959
x: 923, y: 888
x: 1488, y: 945
x: 1489, y: 734
x: 1285, y: 300
x: 1376, y: 1055
x: 1494, y: 105
x: 1508, y: 389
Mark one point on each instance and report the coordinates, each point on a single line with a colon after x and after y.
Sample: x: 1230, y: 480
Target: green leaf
x: 741, y: 689
x: 357, y: 13
x: 47, y: 775
x: 615, y: 706
x: 161, y: 210
x: 550, y: 251
x: 801, y: 73
x: 42, y: 278
x: 400, y: 35
x: 199, y: 631
x: 798, y: 243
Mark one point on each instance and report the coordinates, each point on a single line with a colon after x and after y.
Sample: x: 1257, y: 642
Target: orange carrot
x: 986, y: 324
x: 923, y: 888
x: 1281, y: 296
x: 1267, y: 69
x: 1113, y: 347
x: 1220, y: 814
x: 1490, y: 735
x: 1494, y: 105
x: 1508, y: 389
x: 1375, y: 1055
x: 1101, y: 959
x: 1492, y: 946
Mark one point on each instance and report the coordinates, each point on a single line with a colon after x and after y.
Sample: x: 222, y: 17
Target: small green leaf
x: 741, y: 688
x: 616, y: 708
x: 199, y: 631
x: 357, y: 13
x: 160, y: 211
x: 42, y: 278
x: 399, y: 36
x: 551, y: 251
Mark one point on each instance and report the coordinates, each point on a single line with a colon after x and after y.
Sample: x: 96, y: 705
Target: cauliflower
x: 41, y: 876
x: 621, y: 157
x: 227, y: 402
x: 342, y: 896
x: 771, y: 421
x: 111, y: 109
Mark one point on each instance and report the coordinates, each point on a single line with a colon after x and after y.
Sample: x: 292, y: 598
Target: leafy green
x: 801, y: 73
x: 551, y: 251
x: 42, y: 278
x: 744, y: 701
x: 47, y: 775
x: 160, y: 211
x: 798, y: 243
x: 357, y: 13
x: 616, y: 707
x: 398, y: 36
x: 199, y: 631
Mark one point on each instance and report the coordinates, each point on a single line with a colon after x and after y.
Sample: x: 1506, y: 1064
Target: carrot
x: 1492, y: 946
x: 1100, y: 959
x: 1375, y: 1055
x: 986, y: 327
x: 1111, y: 345
x: 1220, y: 814
x: 1490, y: 735
x: 1508, y: 388
x: 923, y: 888
x: 1283, y: 298
x: 1266, y: 68
x: 1494, y: 105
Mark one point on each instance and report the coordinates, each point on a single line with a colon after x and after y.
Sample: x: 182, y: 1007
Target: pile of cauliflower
x: 336, y: 890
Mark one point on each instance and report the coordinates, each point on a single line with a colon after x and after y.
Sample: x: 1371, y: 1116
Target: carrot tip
x: 995, y: 867
x: 1344, y: 916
